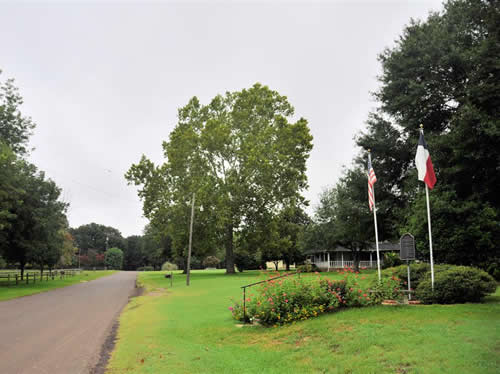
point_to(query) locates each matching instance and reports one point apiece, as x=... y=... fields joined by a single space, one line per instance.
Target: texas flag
x=424 y=163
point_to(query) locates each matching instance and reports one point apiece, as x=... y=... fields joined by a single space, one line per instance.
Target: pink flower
x=231 y=308
x=286 y=301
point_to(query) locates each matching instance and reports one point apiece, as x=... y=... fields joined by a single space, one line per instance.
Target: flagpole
x=430 y=234
x=375 y=222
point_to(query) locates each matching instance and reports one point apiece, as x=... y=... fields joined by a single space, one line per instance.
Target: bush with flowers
x=290 y=299
x=389 y=288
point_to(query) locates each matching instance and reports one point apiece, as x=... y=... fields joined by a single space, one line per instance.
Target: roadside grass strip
x=190 y=330
x=22 y=289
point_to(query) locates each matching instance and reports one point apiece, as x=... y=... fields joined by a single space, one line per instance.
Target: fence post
x=16 y=279
x=244 y=306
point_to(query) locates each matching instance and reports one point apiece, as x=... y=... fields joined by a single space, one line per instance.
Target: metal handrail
x=256 y=283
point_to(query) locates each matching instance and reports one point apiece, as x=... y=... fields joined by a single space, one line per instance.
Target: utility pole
x=188 y=270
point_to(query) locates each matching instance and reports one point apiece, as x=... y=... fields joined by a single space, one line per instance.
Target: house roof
x=382 y=246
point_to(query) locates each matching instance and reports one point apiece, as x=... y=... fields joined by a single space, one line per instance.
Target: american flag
x=371 y=181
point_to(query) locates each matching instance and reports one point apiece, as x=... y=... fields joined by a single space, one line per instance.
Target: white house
x=341 y=257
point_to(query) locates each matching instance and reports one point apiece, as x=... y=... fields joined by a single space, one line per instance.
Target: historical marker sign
x=407 y=251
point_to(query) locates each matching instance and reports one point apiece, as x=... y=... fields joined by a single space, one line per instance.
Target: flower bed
x=290 y=299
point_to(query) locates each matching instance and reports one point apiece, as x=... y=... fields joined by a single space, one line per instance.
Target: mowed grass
x=190 y=330
x=23 y=289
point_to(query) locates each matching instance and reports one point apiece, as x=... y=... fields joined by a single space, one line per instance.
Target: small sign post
x=407 y=252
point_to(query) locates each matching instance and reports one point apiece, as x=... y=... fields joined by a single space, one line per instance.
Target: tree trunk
x=21 y=265
x=287 y=264
x=41 y=271
x=355 y=258
x=229 y=250
x=276 y=265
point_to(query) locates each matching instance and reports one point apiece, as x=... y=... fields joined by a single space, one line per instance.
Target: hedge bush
x=211 y=262
x=418 y=272
x=169 y=266
x=391 y=259
x=457 y=284
x=494 y=270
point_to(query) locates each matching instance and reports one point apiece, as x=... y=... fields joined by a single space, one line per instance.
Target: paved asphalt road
x=61 y=331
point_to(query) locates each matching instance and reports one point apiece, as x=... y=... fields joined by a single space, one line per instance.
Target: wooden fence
x=14 y=278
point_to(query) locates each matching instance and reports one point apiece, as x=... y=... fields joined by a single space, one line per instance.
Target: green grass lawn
x=190 y=330
x=23 y=289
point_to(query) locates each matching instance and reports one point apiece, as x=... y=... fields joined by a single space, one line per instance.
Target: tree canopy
x=443 y=73
x=240 y=155
x=32 y=219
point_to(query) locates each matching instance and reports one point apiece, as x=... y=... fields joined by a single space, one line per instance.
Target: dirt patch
x=110 y=342
x=106 y=349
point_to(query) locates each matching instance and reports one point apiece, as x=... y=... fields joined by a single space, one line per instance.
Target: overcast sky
x=103 y=80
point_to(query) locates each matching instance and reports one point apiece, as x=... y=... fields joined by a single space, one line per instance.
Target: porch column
x=342 y=253
x=371 y=259
x=328 y=261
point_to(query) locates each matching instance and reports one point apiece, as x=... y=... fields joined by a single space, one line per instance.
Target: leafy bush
x=308 y=268
x=418 y=272
x=211 y=262
x=245 y=261
x=290 y=299
x=494 y=270
x=3 y=264
x=391 y=259
x=169 y=266
x=146 y=268
x=458 y=284
x=113 y=258
x=386 y=289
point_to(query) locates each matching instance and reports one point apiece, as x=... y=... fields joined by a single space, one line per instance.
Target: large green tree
x=240 y=155
x=114 y=258
x=35 y=236
x=443 y=73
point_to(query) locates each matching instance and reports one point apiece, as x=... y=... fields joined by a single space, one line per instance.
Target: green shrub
x=389 y=288
x=418 y=272
x=113 y=258
x=308 y=268
x=391 y=259
x=169 y=266
x=3 y=264
x=146 y=268
x=211 y=262
x=494 y=270
x=457 y=284
x=246 y=261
